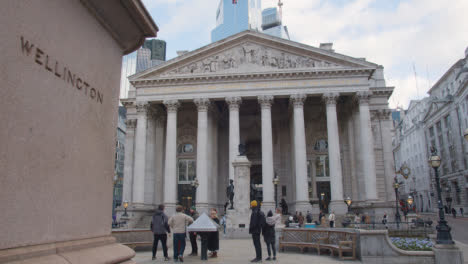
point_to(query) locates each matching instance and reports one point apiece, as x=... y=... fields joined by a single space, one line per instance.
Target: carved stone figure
x=230 y=193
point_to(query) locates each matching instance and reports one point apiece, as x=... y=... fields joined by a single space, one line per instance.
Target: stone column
x=457 y=135
x=234 y=133
x=389 y=166
x=202 y=154
x=159 y=157
x=336 y=179
x=140 y=154
x=300 y=158
x=367 y=146
x=129 y=158
x=267 y=153
x=170 y=165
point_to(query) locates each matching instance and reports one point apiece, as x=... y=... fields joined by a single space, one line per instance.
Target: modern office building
x=234 y=16
x=152 y=53
x=272 y=22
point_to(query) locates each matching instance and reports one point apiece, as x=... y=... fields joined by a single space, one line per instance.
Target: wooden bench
x=339 y=241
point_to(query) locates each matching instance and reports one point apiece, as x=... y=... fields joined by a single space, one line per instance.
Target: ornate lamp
x=195 y=185
x=275 y=183
x=443 y=230
x=410 y=201
x=348 y=202
x=125 y=205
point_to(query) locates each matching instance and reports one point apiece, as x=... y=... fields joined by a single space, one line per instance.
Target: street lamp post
x=348 y=202
x=125 y=205
x=276 y=182
x=396 y=185
x=443 y=230
x=194 y=189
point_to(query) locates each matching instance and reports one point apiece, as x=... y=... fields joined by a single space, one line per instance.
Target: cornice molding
x=253 y=76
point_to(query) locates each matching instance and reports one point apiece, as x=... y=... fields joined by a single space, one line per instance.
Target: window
x=431 y=131
x=322 y=166
x=186 y=171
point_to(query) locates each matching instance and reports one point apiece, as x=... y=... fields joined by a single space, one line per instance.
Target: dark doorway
x=256 y=192
x=185 y=195
x=323 y=192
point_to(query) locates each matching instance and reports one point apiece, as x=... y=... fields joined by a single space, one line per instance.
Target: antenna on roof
x=416 y=80
x=280 y=5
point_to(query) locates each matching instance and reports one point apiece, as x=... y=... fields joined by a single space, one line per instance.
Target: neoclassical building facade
x=316 y=119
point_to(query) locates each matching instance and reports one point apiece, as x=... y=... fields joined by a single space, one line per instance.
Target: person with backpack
x=160 y=228
x=269 y=235
x=257 y=221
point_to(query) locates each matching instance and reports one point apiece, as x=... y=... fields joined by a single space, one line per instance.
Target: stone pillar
x=367 y=146
x=159 y=157
x=389 y=166
x=202 y=154
x=336 y=179
x=300 y=158
x=170 y=165
x=352 y=158
x=267 y=153
x=128 y=162
x=234 y=133
x=140 y=155
x=238 y=220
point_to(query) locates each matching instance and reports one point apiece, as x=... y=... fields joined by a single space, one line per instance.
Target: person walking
x=193 y=235
x=178 y=224
x=331 y=219
x=384 y=220
x=213 y=237
x=321 y=217
x=454 y=213
x=257 y=221
x=357 y=219
x=159 y=226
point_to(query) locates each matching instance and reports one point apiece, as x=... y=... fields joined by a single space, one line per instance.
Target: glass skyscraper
x=272 y=23
x=234 y=16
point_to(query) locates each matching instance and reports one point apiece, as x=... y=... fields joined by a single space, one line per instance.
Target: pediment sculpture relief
x=252 y=57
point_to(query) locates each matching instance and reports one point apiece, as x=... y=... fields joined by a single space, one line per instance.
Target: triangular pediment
x=252 y=52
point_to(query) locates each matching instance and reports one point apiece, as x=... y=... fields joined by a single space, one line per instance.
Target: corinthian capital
x=265 y=100
x=234 y=102
x=142 y=107
x=330 y=98
x=202 y=104
x=363 y=97
x=171 y=105
x=297 y=99
x=131 y=123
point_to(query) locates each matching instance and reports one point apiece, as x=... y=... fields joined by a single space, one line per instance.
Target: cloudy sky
x=424 y=37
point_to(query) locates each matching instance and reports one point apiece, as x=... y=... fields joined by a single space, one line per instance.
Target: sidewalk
x=234 y=251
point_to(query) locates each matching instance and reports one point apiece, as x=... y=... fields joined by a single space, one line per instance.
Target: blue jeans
x=179 y=244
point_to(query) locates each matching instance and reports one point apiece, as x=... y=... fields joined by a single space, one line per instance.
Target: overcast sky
x=426 y=36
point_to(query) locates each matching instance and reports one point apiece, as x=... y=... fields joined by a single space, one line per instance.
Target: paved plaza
x=241 y=251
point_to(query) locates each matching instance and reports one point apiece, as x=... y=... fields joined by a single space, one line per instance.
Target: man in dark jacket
x=159 y=227
x=257 y=221
x=193 y=235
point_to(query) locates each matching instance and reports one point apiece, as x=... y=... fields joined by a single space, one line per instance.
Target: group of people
x=299 y=219
x=261 y=225
x=161 y=225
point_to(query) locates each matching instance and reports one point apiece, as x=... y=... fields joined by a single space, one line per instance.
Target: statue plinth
x=238 y=219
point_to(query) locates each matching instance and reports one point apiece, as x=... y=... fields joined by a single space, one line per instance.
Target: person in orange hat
x=257 y=222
